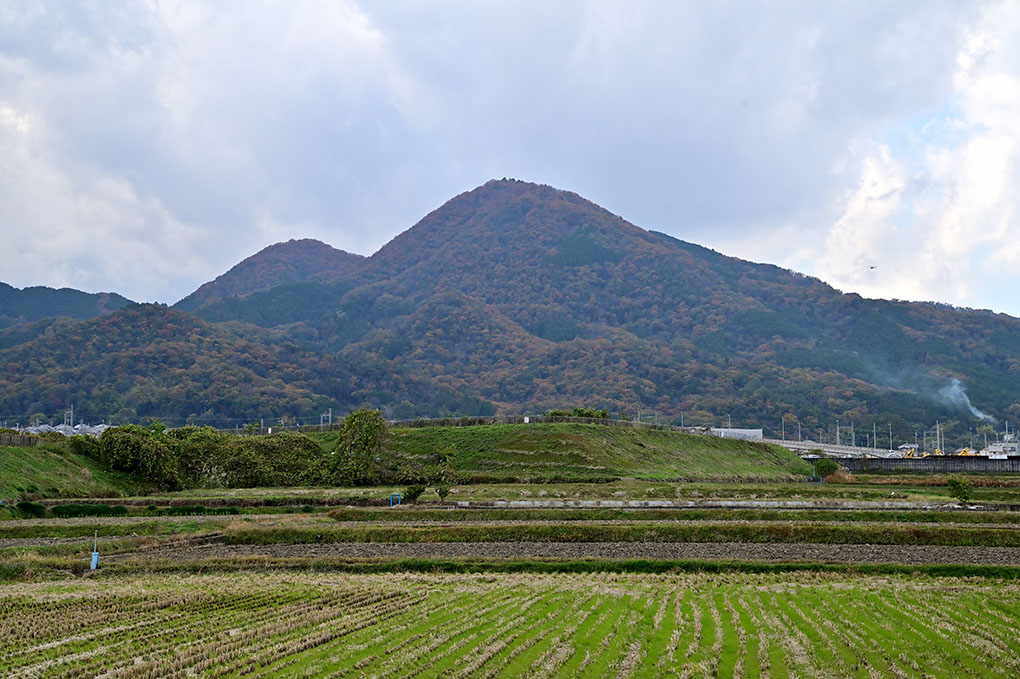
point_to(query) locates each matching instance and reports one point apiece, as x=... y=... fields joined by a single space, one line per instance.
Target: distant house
x=745 y=434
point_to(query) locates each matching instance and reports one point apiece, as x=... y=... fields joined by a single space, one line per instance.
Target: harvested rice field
x=296 y=624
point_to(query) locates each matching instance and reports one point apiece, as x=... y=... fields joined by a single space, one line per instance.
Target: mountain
x=18 y=307
x=290 y=262
x=516 y=297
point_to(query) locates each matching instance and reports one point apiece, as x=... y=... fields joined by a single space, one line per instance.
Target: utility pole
x=729 y=422
x=874 y=436
x=798 y=432
x=890 y=437
x=681 y=419
x=853 y=435
x=837 y=432
x=783 y=422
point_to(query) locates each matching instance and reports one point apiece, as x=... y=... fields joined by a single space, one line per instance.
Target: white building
x=745 y=434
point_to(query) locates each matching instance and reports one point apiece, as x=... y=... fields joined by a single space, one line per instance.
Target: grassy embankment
x=563 y=462
x=547 y=452
x=540 y=453
x=51 y=471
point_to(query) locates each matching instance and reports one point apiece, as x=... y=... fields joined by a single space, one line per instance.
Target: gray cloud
x=180 y=137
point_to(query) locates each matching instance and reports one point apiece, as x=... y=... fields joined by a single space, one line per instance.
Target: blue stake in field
x=395 y=499
x=95 y=551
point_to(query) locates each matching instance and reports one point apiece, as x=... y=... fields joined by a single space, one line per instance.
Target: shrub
x=77 y=509
x=442 y=491
x=52 y=436
x=840 y=476
x=197 y=451
x=185 y=510
x=599 y=414
x=32 y=509
x=282 y=459
x=84 y=445
x=413 y=492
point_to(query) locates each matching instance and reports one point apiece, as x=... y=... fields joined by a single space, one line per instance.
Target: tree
x=358 y=445
x=960 y=488
x=363 y=433
x=142 y=451
x=826 y=467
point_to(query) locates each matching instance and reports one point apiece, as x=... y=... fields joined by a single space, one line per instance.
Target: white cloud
x=942 y=207
x=80 y=227
x=762 y=133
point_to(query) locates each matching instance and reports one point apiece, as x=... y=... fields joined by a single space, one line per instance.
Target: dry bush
x=840 y=476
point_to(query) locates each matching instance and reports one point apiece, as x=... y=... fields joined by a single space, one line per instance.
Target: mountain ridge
x=34 y=303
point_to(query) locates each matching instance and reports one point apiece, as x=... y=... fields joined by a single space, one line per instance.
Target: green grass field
x=504 y=625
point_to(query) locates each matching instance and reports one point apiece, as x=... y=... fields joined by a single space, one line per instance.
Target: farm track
x=672 y=522
x=8 y=543
x=723 y=551
x=132 y=520
x=297 y=520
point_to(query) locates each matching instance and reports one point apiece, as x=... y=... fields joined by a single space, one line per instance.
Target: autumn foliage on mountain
x=516 y=297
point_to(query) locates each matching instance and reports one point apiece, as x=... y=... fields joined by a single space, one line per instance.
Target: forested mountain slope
x=30 y=304
x=516 y=297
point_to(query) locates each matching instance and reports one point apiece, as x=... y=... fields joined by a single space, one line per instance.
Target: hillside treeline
x=202 y=457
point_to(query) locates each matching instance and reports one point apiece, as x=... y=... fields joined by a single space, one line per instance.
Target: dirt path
x=903 y=554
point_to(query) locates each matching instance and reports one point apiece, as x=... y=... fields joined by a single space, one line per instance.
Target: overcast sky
x=147 y=147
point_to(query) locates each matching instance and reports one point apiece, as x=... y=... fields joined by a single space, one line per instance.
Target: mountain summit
x=290 y=262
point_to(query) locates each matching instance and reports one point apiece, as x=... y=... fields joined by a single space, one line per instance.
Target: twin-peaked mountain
x=516 y=297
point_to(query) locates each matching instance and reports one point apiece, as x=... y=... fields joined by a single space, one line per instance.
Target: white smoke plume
x=955 y=394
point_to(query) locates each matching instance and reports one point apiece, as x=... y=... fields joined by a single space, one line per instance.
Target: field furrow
x=740 y=625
